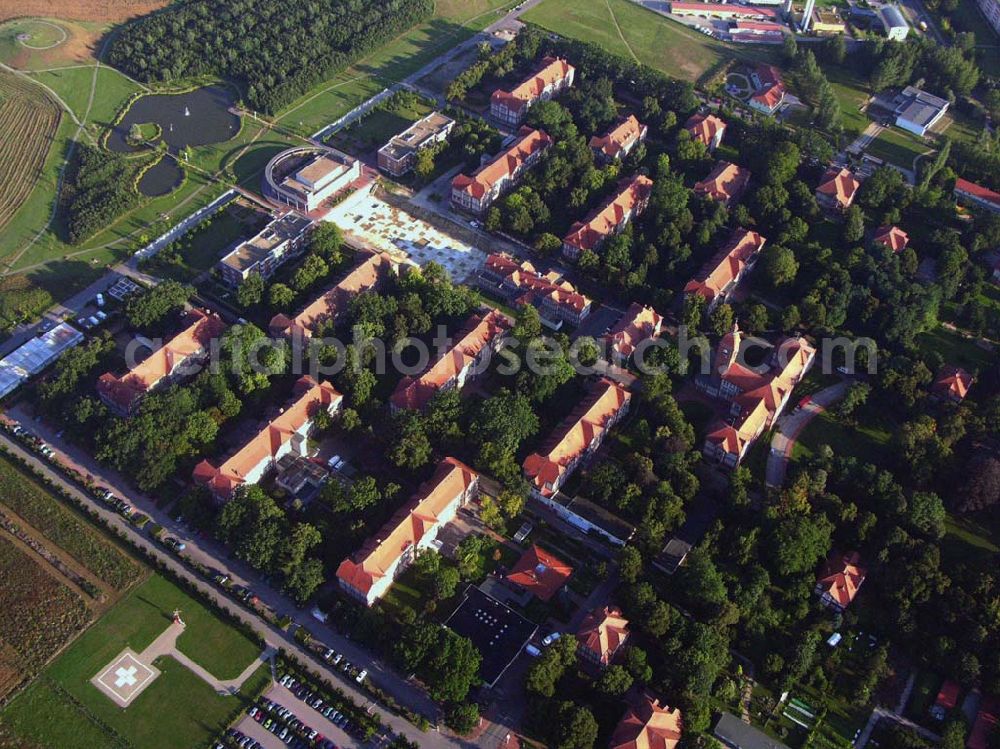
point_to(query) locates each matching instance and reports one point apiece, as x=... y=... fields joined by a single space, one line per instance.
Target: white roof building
x=35 y=355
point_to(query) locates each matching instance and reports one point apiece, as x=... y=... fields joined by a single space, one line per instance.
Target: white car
x=549 y=639
x=361 y=676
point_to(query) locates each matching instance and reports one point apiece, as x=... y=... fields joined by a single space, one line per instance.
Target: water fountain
x=187 y=112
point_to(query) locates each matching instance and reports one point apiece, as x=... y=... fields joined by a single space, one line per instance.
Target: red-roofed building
x=630 y=201
x=892 y=237
x=706 y=128
x=602 y=634
x=286 y=433
x=723 y=10
x=952 y=384
x=477 y=192
x=517 y=282
x=977 y=195
x=725 y=183
x=173 y=360
x=511 y=107
x=474 y=346
x=985 y=726
x=840 y=580
x=947 y=700
x=638 y=324
x=577 y=437
x=327 y=309
x=367 y=575
x=719 y=279
x=769 y=89
x=647 y=725
x=540 y=573
x=837 y=188
x=618 y=142
x=755 y=31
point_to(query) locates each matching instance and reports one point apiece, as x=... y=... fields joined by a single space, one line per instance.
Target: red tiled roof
x=524 y=276
x=647 y=725
x=948 y=696
x=725 y=182
x=839 y=184
x=587 y=235
x=892 y=237
x=504 y=165
x=365 y=276
x=309 y=396
x=540 y=573
x=602 y=632
x=636 y=325
x=770 y=96
x=986 y=724
x=842 y=577
x=977 y=191
x=733 y=439
x=704 y=127
x=727 y=265
x=619 y=138
x=125 y=391
x=408 y=526
x=768 y=74
x=576 y=433
x=479 y=332
x=723 y=8
x=952 y=382
x=553 y=70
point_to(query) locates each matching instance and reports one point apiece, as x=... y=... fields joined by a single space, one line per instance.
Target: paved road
x=274 y=637
x=790 y=427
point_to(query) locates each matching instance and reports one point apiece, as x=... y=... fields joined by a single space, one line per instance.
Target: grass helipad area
x=177 y=708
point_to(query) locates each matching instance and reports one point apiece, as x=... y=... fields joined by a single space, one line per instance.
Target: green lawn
x=177 y=710
x=377 y=128
x=627 y=29
x=898 y=147
x=73 y=87
x=867 y=441
x=955 y=349
x=851 y=93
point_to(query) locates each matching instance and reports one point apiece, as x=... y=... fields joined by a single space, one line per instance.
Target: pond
x=196 y=118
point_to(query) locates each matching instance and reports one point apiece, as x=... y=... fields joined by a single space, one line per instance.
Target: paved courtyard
x=387 y=228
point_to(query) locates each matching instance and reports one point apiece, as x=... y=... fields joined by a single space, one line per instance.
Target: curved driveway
x=790 y=427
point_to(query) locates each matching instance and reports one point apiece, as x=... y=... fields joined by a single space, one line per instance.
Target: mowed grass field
x=178 y=710
x=627 y=29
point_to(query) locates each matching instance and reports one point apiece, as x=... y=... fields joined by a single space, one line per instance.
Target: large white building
x=918 y=111
x=281 y=239
x=304 y=178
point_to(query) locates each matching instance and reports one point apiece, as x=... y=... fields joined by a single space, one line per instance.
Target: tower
x=807 y=15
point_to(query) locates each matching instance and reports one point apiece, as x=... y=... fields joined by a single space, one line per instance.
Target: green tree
x=149 y=308
x=463 y=718
x=280 y=297
x=573 y=727
x=452 y=668
x=251 y=291
x=327 y=241
x=615 y=681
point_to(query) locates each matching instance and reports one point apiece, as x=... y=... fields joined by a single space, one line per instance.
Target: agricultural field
x=178 y=710
x=28 y=122
x=40 y=613
x=80 y=10
x=64 y=528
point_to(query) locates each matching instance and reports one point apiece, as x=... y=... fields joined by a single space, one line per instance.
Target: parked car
x=174 y=543
x=550 y=638
x=361 y=676
x=532 y=651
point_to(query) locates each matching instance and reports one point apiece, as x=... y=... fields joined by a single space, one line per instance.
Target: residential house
x=477 y=192
x=602 y=634
x=540 y=573
x=892 y=237
x=518 y=282
x=619 y=142
x=840 y=580
x=511 y=107
x=707 y=129
x=975 y=195
x=283 y=238
x=918 y=111
x=986 y=725
x=836 y=190
x=719 y=279
x=173 y=360
x=630 y=201
x=576 y=438
x=951 y=384
x=398 y=156
x=329 y=307
x=725 y=183
x=648 y=725
x=288 y=432
x=769 y=89
x=368 y=574
x=478 y=340
x=638 y=324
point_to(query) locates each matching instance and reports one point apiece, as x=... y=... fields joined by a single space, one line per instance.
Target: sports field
x=627 y=29
x=63 y=709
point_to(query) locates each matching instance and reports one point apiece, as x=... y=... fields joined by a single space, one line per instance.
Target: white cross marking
x=126 y=677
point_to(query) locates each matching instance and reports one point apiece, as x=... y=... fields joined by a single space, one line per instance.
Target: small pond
x=197 y=118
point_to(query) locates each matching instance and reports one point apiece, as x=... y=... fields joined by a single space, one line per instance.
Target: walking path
x=791 y=426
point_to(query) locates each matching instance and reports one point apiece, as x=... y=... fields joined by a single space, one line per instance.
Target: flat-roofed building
x=827 y=22
x=918 y=111
x=991 y=12
x=609 y=219
x=287 y=433
x=164 y=365
x=367 y=575
x=475 y=193
x=398 y=156
x=511 y=107
x=304 y=177
x=723 y=10
x=263 y=254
